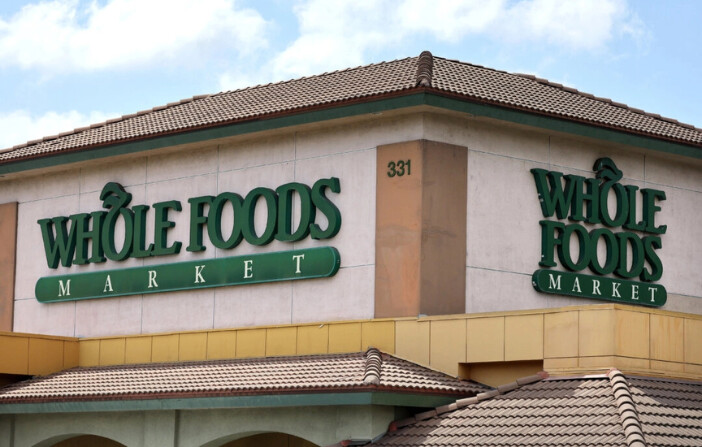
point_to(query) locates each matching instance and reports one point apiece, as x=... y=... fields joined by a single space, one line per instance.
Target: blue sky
x=68 y=63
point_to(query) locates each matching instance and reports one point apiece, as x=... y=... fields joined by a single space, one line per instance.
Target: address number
x=399 y=168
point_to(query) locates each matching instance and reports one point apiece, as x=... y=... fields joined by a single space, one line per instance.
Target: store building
x=412 y=252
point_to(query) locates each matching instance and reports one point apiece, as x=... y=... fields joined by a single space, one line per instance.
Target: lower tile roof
x=369 y=371
x=604 y=410
x=670 y=411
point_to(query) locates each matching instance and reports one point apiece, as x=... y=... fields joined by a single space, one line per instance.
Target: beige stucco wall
x=503 y=232
x=347 y=152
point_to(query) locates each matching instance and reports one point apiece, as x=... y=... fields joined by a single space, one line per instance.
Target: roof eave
x=281 y=119
x=417 y=96
x=559 y=123
x=481 y=101
x=269 y=400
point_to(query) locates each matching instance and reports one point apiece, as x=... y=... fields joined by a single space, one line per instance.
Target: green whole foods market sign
x=91 y=238
x=309 y=263
x=629 y=264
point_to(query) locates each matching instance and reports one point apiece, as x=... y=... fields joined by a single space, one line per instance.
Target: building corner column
x=420 y=247
x=8 y=256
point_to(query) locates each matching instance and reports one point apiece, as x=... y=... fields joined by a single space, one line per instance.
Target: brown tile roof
x=411 y=75
x=670 y=411
x=370 y=371
x=609 y=410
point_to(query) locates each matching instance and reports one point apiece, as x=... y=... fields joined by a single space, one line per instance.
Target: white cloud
x=575 y=24
x=64 y=35
x=333 y=35
x=451 y=20
x=339 y=34
x=20 y=126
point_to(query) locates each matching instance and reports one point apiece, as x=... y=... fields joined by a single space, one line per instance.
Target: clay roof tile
x=608 y=410
x=279 y=375
x=460 y=80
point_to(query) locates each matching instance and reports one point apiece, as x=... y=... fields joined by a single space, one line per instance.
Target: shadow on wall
x=270 y=440
x=263 y=439
x=82 y=441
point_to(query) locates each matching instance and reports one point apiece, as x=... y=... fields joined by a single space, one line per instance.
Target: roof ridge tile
x=626 y=407
x=374 y=363
x=525 y=75
x=425 y=69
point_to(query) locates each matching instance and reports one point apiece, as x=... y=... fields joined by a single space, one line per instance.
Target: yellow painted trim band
x=29 y=354
x=566 y=341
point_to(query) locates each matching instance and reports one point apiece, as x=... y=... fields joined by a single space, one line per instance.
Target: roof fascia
x=349 y=110
x=269 y=400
